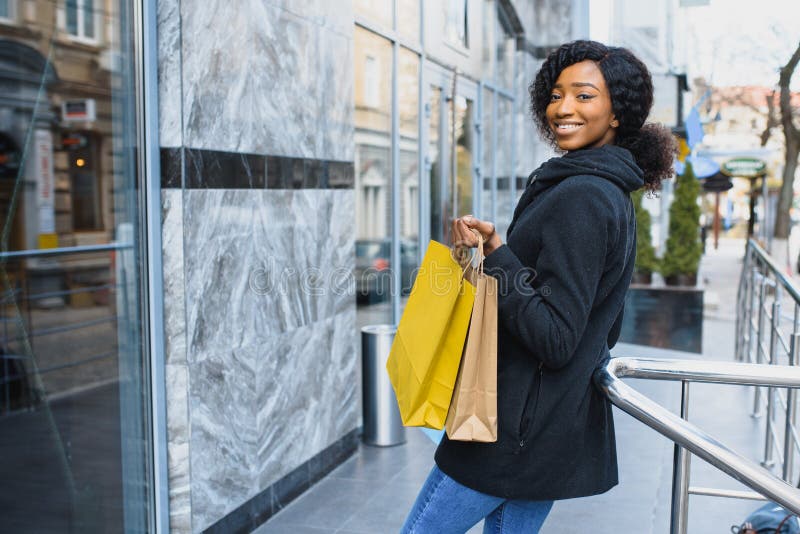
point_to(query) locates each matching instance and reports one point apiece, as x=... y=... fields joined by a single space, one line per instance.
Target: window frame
x=497 y=93
x=81 y=22
x=398 y=40
x=459 y=45
x=12 y=12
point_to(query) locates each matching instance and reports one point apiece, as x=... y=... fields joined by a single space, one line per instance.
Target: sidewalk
x=373 y=490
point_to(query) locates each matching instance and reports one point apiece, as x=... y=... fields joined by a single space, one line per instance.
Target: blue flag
x=694 y=130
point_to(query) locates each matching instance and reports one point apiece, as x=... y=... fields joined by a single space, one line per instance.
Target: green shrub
x=684 y=248
x=646 y=261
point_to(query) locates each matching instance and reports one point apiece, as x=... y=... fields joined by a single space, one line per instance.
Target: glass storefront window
x=488 y=27
x=504 y=51
x=379 y=11
x=438 y=191
x=408 y=203
x=74 y=393
x=373 y=127
x=487 y=176
x=464 y=139
x=408 y=19
x=504 y=165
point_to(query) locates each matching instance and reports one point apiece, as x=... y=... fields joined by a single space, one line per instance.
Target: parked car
x=373 y=272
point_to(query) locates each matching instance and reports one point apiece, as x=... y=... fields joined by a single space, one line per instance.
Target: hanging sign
x=78 y=110
x=72 y=141
x=45 y=189
x=745 y=167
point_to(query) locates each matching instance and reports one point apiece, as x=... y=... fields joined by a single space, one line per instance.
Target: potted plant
x=684 y=249
x=646 y=261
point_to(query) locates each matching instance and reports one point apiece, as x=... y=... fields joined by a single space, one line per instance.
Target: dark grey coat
x=562 y=277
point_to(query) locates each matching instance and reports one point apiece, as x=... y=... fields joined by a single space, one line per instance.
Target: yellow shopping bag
x=423 y=362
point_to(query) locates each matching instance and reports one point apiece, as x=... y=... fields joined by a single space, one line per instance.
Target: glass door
x=74 y=392
x=451 y=146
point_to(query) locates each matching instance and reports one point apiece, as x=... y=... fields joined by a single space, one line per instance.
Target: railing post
x=791 y=410
x=680 y=475
x=742 y=303
x=759 y=340
x=750 y=297
x=769 y=440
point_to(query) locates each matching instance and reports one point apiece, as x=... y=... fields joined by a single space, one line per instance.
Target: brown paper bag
x=473 y=408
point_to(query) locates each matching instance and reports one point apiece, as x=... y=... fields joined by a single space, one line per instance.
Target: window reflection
x=504 y=51
x=71 y=356
x=5 y=9
x=504 y=165
x=464 y=137
x=487 y=172
x=488 y=48
x=456 y=27
x=408 y=203
x=438 y=189
x=80 y=18
x=373 y=68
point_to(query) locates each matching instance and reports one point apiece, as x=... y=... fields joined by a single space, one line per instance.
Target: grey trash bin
x=382 y=423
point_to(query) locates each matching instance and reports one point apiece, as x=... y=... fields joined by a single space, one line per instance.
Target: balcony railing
x=690 y=439
x=767 y=354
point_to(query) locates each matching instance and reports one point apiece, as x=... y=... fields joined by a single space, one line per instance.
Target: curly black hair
x=631 y=88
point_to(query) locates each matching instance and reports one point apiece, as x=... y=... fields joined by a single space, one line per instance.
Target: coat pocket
x=529 y=410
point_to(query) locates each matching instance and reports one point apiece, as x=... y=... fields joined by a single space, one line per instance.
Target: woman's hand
x=463 y=236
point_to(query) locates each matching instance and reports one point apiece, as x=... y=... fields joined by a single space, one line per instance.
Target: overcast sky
x=742 y=42
x=729 y=42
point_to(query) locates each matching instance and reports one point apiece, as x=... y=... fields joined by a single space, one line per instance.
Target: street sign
x=745 y=167
x=79 y=110
x=717 y=183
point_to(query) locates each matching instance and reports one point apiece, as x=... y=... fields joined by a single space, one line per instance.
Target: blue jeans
x=444 y=506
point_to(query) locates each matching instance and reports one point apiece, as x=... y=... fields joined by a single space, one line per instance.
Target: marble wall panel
x=173 y=275
x=271 y=337
x=256 y=83
x=223 y=440
x=264 y=262
x=169 y=73
x=309 y=394
x=180 y=499
x=177 y=375
x=336 y=105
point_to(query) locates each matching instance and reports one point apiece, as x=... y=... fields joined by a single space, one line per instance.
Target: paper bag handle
x=464 y=259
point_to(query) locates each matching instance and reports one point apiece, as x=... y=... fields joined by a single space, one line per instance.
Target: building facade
x=203 y=203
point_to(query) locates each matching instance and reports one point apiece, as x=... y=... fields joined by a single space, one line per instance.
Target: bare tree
x=792 y=137
x=772 y=119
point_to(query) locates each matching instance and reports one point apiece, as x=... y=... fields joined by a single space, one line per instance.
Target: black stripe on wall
x=269 y=502
x=193 y=168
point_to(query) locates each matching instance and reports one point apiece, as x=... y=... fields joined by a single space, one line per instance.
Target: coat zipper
x=522 y=427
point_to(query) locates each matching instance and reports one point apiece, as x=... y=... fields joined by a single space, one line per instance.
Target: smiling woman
x=580 y=111
x=563 y=274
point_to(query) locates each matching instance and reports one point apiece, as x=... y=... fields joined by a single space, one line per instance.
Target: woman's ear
x=614 y=122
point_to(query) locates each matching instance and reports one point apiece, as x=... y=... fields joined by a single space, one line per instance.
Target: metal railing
x=20 y=374
x=690 y=439
x=768 y=332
